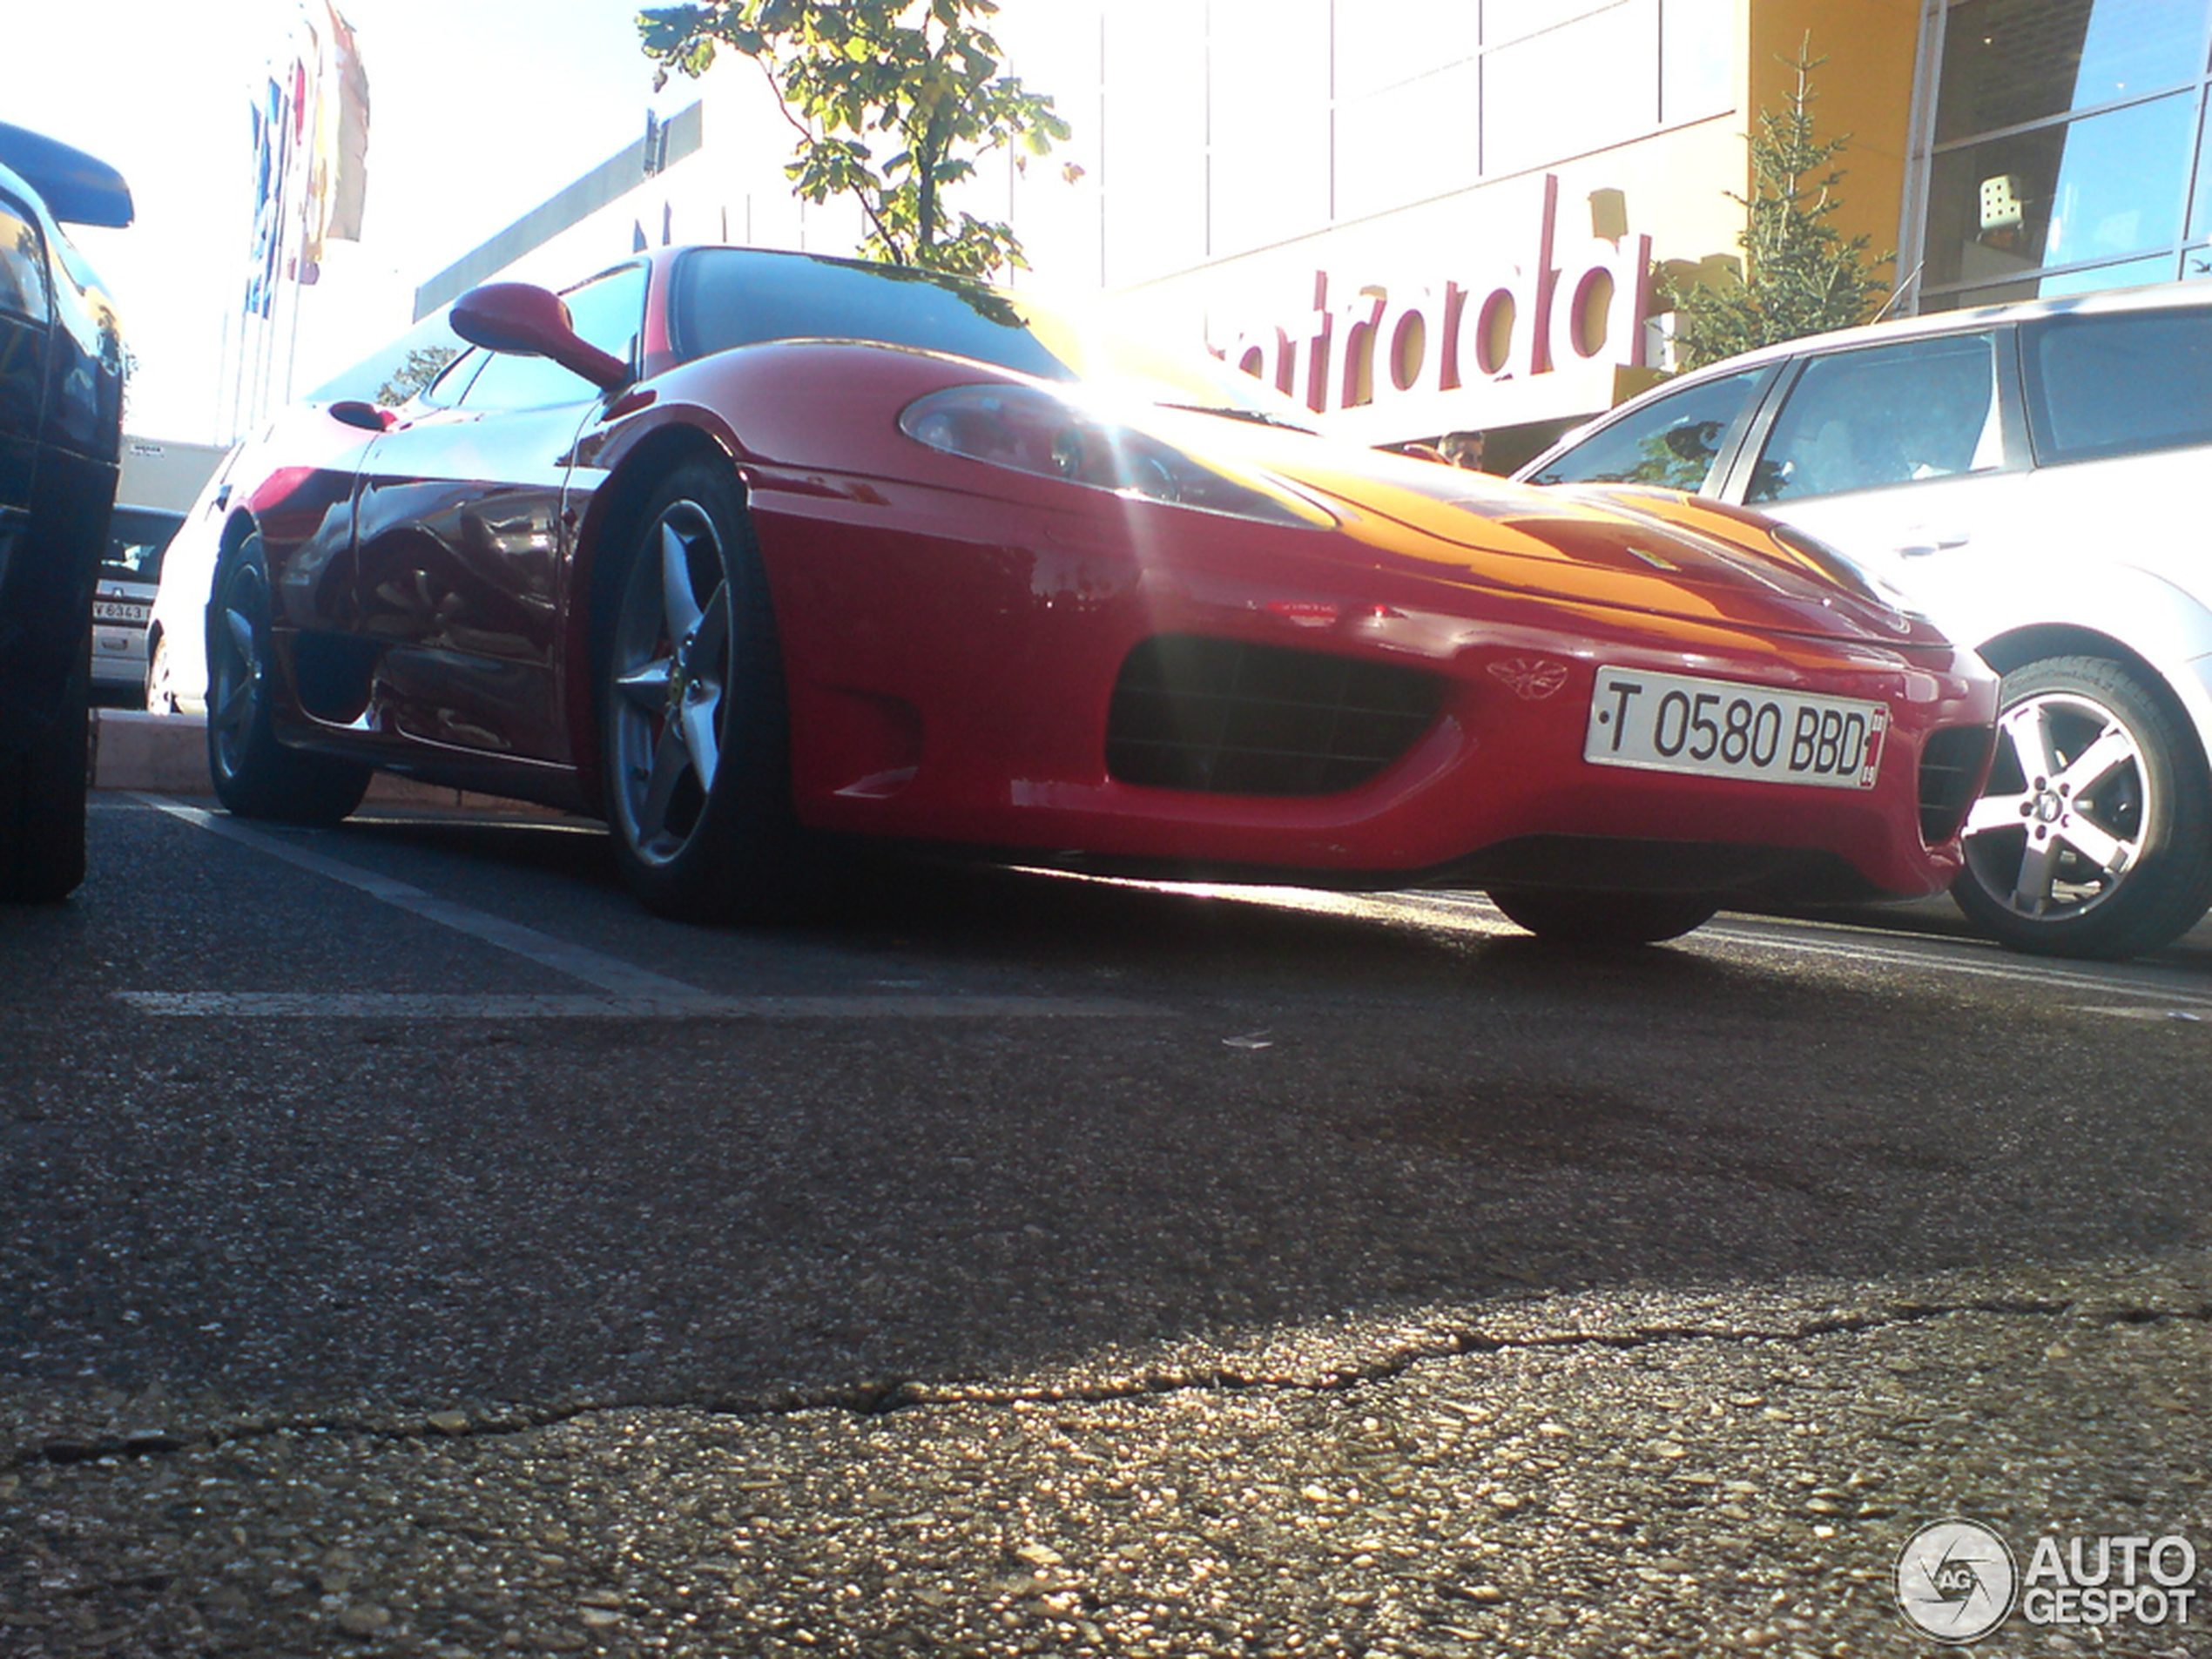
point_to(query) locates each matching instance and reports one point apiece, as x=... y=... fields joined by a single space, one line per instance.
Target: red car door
x=460 y=548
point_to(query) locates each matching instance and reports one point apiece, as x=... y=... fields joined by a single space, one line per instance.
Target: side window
x=449 y=383
x=1884 y=415
x=1672 y=442
x=452 y=383
x=608 y=311
x=2119 y=385
x=137 y=538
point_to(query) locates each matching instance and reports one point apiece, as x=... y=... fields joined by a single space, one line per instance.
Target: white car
x=2029 y=478
x=174 y=658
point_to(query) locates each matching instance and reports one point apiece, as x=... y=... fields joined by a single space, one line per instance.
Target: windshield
x=728 y=297
x=137 y=538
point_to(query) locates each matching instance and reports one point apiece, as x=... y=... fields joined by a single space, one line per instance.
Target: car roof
x=78 y=189
x=2152 y=297
x=2159 y=296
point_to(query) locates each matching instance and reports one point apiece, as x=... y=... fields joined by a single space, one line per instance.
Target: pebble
x=365 y=1618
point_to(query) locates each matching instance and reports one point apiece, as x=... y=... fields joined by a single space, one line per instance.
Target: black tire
x=1605 y=919
x=2094 y=837
x=256 y=776
x=42 y=799
x=695 y=739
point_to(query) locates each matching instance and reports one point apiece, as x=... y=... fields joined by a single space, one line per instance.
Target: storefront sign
x=1377 y=342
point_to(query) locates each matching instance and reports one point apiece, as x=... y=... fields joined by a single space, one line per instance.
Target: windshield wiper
x=1231 y=412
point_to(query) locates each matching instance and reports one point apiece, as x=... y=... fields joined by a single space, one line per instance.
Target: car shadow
x=1308 y=1118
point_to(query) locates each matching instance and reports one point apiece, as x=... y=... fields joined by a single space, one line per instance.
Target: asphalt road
x=407 y=1246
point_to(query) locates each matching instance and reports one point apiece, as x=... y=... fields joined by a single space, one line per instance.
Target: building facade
x=1438 y=214
x=2059 y=147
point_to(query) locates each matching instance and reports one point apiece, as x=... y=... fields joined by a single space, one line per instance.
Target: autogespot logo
x=1956 y=1580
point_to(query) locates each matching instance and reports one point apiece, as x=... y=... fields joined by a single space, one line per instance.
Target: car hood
x=1659 y=552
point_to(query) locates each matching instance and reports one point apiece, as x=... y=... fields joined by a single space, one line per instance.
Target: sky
x=479 y=111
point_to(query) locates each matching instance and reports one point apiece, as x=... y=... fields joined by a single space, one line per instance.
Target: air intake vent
x=1236 y=719
x=1950 y=766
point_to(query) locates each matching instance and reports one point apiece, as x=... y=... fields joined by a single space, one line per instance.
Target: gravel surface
x=1366 y=1281
x=1597 y=1476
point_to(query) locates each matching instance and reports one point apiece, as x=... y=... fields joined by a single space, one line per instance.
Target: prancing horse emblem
x=1533 y=680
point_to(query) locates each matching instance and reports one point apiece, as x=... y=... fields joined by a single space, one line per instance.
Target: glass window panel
x=1503 y=20
x=1671 y=442
x=1379 y=46
x=1407 y=143
x=2009 y=62
x=1570 y=91
x=1696 y=59
x=2108 y=185
x=2121 y=182
x=1267 y=121
x=2200 y=230
x=2119 y=385
x=1882 y=416
x=2157 y=268
x=1153 y=192
x=2095 y=279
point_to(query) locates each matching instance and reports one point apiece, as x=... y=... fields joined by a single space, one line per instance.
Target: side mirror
x=353 y=412
x=518 y=317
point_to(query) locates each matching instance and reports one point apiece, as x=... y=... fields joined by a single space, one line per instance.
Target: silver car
x=2028 y=476
x=129 y=573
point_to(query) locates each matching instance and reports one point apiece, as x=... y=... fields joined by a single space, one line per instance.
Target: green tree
x=1800 y=275
x=417 y=370
x=917 y=79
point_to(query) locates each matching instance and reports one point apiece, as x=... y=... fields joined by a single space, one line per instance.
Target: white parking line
x=1840 y=942
x=698 y=1005
x=633 y=993
x=637 y=993
x=578 y=962
x=1946 y=956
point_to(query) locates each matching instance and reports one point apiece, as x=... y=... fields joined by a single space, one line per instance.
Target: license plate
x=1721 y=729
x=120 y=610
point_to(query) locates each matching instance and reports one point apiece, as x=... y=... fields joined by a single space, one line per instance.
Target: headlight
x=1033 y=430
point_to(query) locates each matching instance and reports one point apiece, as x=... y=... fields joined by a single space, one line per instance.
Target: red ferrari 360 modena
x=745 y=550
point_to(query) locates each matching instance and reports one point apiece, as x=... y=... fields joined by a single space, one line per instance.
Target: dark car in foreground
x=736 y=548
x=61 y=410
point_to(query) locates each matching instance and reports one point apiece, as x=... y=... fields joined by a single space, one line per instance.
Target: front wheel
x=1605 y=919
x=695 y=740
x=161 y=679
x=2094 y=837
x=255 y=776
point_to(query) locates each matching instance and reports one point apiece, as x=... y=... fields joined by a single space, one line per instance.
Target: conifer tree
x=1800 y=276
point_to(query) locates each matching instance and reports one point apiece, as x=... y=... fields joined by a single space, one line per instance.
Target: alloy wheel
x=236 y=671
x=2064 y=817
x=670 y=680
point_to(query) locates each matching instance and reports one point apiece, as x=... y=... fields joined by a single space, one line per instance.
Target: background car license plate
x=1719 y=728
x=120 y=610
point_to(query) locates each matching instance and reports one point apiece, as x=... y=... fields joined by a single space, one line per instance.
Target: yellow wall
x=1864 y=88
